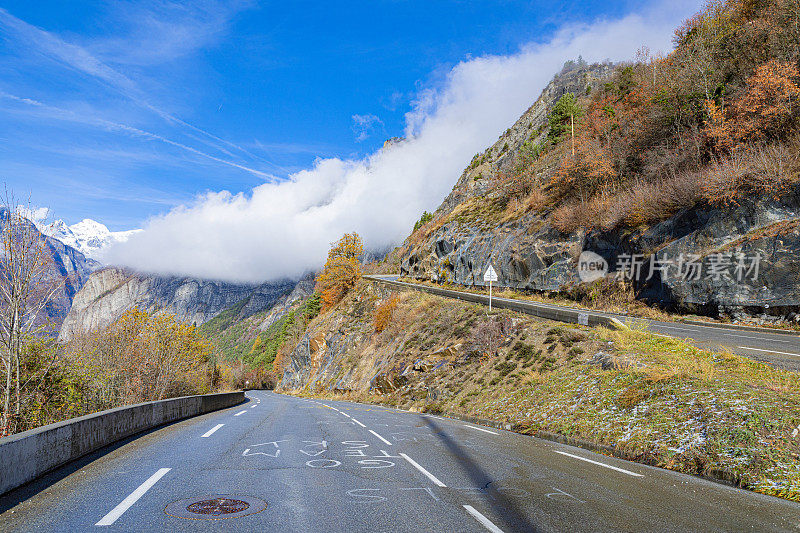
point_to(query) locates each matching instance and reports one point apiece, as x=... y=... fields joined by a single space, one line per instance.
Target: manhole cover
x=218 y=506
x=215 y=507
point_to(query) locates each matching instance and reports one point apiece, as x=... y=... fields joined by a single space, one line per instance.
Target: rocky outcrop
x=747 y=262
x=524 y=257
x=335 y=347
x=527 y=253
x=530 y=128
x=745 y=257
x=111 y=291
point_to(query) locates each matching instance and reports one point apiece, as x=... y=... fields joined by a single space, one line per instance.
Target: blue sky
x=120 y=111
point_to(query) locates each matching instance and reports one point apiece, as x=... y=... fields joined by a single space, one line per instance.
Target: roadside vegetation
x=140 y=357
x=342 y=270
x=655 y=400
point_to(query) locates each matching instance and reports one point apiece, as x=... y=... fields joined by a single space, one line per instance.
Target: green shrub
x=424 y=219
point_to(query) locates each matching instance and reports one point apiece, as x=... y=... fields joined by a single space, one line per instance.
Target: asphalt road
x=345 y=467
x=778 y=349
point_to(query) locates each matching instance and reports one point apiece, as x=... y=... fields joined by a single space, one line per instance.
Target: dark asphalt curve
x=343 y=467
x=778 y=349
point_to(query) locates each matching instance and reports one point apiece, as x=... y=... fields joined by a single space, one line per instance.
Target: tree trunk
x=7 y=397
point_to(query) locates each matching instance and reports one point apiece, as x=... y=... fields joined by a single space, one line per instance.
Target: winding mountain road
x=280 y=463
x=778 y=349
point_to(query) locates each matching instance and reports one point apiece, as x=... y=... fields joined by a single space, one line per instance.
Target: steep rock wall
x=111 y=291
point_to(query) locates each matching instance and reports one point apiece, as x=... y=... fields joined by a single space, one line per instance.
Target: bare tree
x=28 y=283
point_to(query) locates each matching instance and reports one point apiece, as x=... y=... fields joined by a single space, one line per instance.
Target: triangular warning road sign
x=490 y=275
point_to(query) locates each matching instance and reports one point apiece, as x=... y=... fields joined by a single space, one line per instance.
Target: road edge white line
x=600 y=464
x=211 y=431
x=418 y=467
x=485 y=522
x=769 y=351
x=132 y=498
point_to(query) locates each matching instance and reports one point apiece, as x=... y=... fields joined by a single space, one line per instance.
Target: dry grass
x=753 y=170
x=640 y=203
x=384 y=312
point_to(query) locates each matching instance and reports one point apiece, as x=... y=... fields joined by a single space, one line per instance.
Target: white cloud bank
x=285 y=229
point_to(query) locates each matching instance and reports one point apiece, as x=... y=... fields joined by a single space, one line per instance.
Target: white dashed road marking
x=211 y=431
x=752 y=339
x=125 y=504
x=600 y=464
x=240 y=413
x=384 y=440
x=481 y=429
x=427 y=474
x=673 y=327
x=357 y=422
x=485 y=522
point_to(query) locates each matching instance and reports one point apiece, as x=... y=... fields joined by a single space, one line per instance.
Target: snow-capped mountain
x=87 y=236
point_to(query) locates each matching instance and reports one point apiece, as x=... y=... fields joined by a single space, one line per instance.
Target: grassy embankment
x=658 y=400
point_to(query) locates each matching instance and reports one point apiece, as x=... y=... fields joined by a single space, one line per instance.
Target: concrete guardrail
x=559 y=314
x=30 y=454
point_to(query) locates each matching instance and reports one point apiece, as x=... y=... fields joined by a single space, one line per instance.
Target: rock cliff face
x=760 y=239
x=336 y=347
x=529 y=254
x=111 y=291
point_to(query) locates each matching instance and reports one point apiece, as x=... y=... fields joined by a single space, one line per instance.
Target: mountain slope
x=69 y=266
x=111 y=291
x=650 y=399
x=690 y=196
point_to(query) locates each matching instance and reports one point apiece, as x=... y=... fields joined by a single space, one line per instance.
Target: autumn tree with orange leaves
x=342 y=270
x=769 y=107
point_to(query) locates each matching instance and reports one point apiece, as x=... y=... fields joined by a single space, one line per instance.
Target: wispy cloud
x=152 y=32
x=365 y=125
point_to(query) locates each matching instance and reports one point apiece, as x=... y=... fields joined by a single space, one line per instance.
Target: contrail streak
x=65 y=114
x=78 y=58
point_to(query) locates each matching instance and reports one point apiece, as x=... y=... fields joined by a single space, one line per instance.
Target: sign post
x=490 y=276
